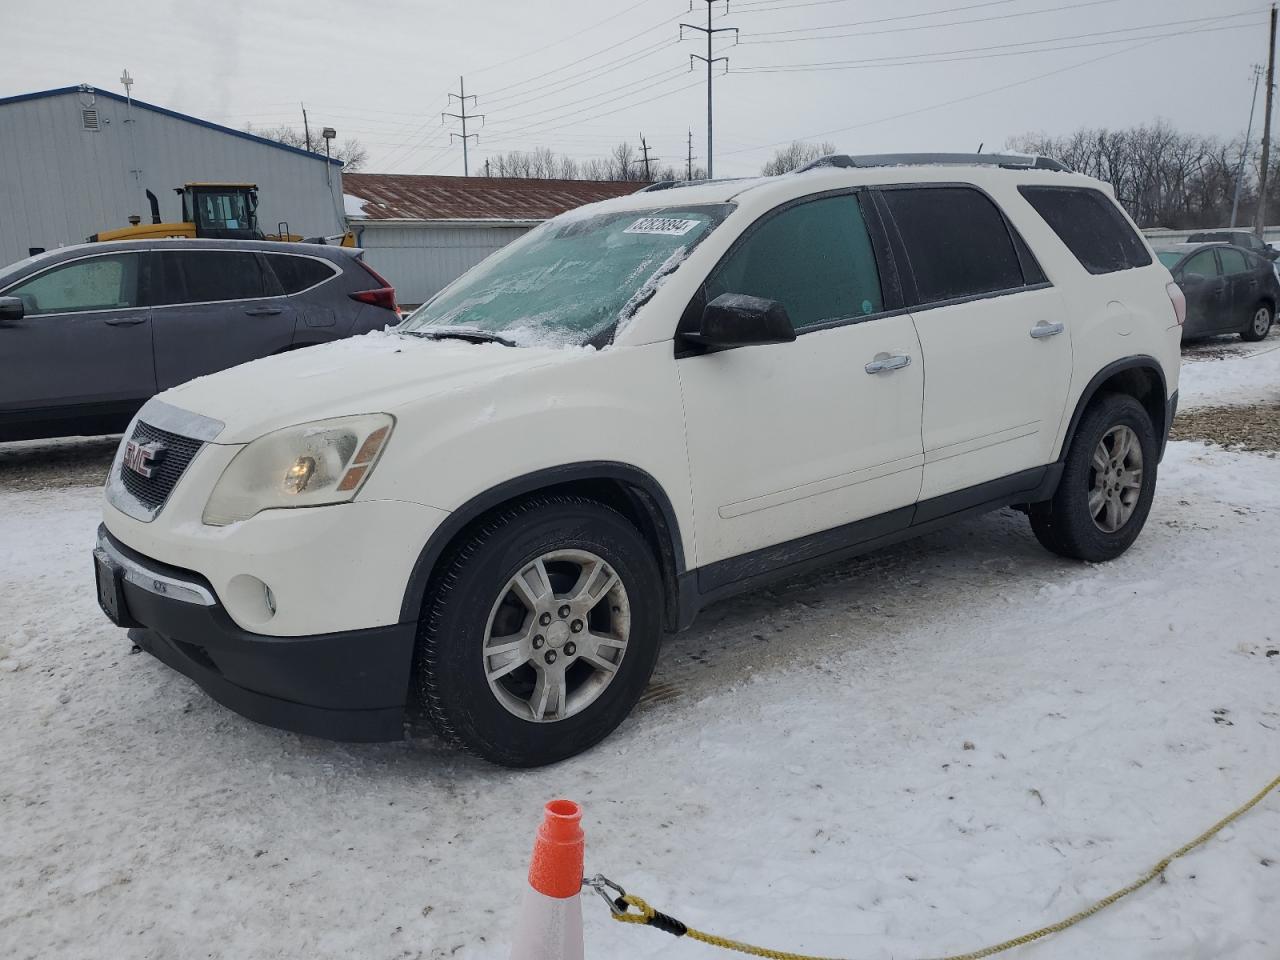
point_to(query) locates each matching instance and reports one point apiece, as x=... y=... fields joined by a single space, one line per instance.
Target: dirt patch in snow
x=1236 y=428
x=53 y=464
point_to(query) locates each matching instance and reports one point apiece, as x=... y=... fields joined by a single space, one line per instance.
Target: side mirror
x=1270 y=252
x=737 y=320
x=11 y=308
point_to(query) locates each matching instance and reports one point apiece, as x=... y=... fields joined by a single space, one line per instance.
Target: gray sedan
x=1228 y=289
x=88 y=333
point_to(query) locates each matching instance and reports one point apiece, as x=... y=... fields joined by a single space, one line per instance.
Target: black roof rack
x=680 y=184
x=1008 y=161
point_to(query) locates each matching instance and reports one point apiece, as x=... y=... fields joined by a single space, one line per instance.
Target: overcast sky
x=579 y=76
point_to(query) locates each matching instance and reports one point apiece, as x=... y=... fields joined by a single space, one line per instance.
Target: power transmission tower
x=688 y=163
x=1260 y=220
x=710 y=31
x=462 y=98
x=306 y=129
x=1248 y=139
x=646 y=159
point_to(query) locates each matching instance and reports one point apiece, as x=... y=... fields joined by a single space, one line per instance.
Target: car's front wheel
x=1259 y=325
x=541 y=633
x=1107 y=485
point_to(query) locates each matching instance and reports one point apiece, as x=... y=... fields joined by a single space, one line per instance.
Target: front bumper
x=352 y=685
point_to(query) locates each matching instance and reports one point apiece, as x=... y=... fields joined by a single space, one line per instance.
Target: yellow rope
x=646 y=913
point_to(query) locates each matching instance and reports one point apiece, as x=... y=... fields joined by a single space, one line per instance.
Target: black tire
x=1256 y=331
x=1064 y=524
x=452 y=690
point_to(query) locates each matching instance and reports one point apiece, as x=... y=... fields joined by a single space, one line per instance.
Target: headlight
x=304 y=466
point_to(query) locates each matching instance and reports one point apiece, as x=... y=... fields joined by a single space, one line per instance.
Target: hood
x=379 y=372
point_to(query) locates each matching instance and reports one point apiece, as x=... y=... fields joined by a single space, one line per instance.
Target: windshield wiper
x=469 y=334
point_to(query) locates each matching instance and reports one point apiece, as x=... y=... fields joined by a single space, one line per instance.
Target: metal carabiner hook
x=601 y=885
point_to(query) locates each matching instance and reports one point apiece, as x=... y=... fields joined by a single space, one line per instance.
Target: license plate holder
x=110 y=583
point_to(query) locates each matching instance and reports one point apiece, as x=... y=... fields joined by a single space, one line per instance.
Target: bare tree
x=796 y=154
x=351 y=151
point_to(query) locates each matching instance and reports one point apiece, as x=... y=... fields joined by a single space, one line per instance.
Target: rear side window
x=814 y=258
x=210 y=276
x=95 y=283
x=957 y=241
x=1091 y=226
x=1234 y=261
x=298 y=273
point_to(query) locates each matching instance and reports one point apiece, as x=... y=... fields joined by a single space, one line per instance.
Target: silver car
x=88 y=333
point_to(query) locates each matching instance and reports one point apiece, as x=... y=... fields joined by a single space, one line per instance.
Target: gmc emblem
x=142 y=458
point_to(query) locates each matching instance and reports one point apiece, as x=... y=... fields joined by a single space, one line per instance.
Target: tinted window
x=1202 y=263
x=298 y=273
x=957 y=242
x=205 y=276
x=1233 y=261
x=1169 y=258
x=1091 y=226
x=814 y=258
x=98 y=283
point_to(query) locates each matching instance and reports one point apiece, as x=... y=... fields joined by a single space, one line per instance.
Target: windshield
x=1169 y=258
x=572 y=279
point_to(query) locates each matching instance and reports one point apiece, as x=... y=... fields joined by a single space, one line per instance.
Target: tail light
x=1179 y=301
x=383 y=296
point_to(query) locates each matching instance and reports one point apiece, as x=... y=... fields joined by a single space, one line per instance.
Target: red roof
x=394 y=196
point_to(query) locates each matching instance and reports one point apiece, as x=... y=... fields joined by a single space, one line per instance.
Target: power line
x=945 y=56
x=564 y=39
x=952 y=102
x=914 y=27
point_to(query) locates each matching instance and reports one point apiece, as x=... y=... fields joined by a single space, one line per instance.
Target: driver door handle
x=263 y=311
x=123 y=321
x=884 y=362
x=1043 y=329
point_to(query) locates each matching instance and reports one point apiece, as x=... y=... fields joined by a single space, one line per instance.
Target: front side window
x=1091 y=225
x=209 y=276
x=957 y=241
x=1169 y=258
x=109 y=282
x=572 y=279
x=814 y=258
x=1202 y=264
x=1233 y=261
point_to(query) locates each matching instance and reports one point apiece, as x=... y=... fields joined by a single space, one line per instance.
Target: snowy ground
x=921 y=752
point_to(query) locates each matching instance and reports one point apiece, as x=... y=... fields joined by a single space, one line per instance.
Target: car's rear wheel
x=1259 y=325
x=541 y=633
x=1107 y=485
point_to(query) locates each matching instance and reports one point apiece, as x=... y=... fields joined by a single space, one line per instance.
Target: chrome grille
x=153 y=491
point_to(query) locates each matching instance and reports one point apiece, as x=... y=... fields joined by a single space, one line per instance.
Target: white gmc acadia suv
x=486 y=519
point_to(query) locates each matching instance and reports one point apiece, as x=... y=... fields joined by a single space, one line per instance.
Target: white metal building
x=422 y=232
x=76 y=160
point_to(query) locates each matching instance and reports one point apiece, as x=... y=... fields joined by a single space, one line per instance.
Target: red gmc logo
x=142 y=458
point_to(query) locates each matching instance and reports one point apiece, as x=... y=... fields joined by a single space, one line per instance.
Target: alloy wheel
x=556 y=635
x=1261 y=321
x=1115 y=477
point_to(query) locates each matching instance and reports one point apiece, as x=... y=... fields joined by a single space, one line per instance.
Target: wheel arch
x=633 y=492
x=1142 y=378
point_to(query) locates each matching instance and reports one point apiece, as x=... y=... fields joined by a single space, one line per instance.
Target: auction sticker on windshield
x=665 y=226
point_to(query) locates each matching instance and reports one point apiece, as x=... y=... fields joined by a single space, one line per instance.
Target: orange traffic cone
x=550 y=926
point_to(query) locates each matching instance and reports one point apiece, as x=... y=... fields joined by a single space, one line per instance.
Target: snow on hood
x=379 y=372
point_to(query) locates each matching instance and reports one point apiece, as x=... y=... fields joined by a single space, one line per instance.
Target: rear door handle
x=263 y=311
x=123 y=321
x=884 y=362
x=1043 y=329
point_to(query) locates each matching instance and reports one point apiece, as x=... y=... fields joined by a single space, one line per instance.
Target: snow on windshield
x=572 y=279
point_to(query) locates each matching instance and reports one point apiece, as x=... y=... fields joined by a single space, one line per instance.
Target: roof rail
x=1008 y=161
x=681 y=184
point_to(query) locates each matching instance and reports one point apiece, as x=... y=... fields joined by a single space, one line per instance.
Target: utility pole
x=1260 y=220
x=688 y=163
x=710 y=31
x=486 y=166
x=462 y=98
x=306 y=130
x=1248 y=139
x=644 y=148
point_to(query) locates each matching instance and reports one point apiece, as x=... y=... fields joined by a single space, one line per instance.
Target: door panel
x=1243 y=287
x=996 y=381
x=216 y=309
x=84 y=342
x=1208 y=298
x=789 y=439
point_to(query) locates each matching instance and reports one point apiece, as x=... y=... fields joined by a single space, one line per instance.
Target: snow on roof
x=388 y=196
